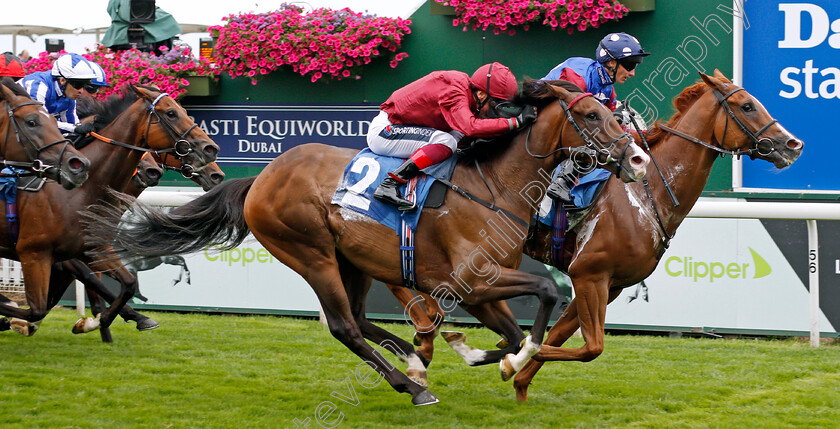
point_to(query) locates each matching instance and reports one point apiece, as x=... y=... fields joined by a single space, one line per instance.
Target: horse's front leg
x=506 y=283
x=36 y=272
x=128 y=288
x=497 y=317
x=426 y=316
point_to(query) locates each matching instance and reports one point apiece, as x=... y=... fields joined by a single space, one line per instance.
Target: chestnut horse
x=287 y=207
x=621 y=240
x=142 y=119
x=40 y=147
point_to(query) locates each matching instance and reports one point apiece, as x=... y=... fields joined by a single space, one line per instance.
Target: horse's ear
x=141 y=92
x=6 y=93
x=721 y=76
x=560 y=92
x=712 y=81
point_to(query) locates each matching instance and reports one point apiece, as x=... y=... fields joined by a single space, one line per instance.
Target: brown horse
x=620 y=241
x=142 y=119
x=39 y=146
x=287 y=207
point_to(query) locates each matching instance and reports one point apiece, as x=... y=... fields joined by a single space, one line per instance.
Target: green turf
x=212 y=371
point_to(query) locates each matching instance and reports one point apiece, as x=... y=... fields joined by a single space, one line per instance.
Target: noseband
x=762 y=147
x=33 y=152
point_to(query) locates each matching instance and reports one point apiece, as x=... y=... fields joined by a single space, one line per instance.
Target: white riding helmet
x=72 y=66
x=100 y=79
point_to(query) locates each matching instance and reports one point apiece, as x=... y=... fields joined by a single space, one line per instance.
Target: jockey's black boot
x=561 y=187
x=388 y=191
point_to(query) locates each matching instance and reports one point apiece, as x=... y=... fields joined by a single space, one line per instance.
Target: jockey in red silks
x=424 y=121
x=615 y=61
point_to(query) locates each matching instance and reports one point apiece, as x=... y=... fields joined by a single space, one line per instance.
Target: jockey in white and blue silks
x=615 y=61
x=59 y=89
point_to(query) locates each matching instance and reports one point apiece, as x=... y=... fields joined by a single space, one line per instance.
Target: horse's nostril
x=76 y=164
x=794 y=144
x=154 y=173
x=639 y=160
x=211 y=150
x=217 y=177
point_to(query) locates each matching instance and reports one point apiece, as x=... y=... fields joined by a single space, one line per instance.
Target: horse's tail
x=215 y=218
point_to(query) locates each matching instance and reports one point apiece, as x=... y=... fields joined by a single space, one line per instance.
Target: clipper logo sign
x=709 y=271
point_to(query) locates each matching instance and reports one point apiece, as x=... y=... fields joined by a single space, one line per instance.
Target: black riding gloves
x=83 y=129
x=528 y=115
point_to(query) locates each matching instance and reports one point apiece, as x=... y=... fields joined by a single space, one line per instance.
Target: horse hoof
x=23 y=327
x=424 y=398
x=417 y=342
x=147 y=325
x=502 y=344
x=418 y=376
x=85 y=325
x=453 y=336
x=506 y=368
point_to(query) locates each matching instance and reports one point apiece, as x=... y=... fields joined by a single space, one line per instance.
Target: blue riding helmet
x=621 y=47
x=100 y=79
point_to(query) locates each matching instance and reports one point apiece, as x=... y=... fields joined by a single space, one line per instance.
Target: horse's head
x=148 y=173
x=42 y=148
x=743 y=125
x=170 y=128
x=593 y=134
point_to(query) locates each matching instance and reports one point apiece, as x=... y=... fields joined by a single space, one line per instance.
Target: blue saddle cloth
x=582 y=193
x=366 y=171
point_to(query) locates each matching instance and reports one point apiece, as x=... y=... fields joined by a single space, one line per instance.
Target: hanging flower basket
x=322 y=43
x=504 y=15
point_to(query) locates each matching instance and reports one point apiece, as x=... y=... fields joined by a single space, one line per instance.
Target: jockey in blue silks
x=59 y=89
x=615 y=61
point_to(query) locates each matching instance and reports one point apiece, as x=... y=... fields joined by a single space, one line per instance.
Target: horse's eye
x=592 y=116
x=31 y=123
x=171 y=113
x=748 y=107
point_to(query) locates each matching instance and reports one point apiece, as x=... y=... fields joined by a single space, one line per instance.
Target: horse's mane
x=682 y=102
x=537 y=92
x=108 y=110
x=17 y=89
x=534 y=93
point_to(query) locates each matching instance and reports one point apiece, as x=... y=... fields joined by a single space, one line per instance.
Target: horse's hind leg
x=95 y=284
x=327 y=284
x=357 y=285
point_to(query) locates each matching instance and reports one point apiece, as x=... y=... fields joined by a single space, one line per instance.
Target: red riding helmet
x=10 y=65
x=498 y=78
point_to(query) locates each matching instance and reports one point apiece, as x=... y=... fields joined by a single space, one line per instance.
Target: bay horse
x=287 y=207
x=620 y=242
x=41 y=149
x=140 y=120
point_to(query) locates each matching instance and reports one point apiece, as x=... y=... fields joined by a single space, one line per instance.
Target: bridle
x=33 y=152
x=181 y=148
x=761 y=146
x=597 y=152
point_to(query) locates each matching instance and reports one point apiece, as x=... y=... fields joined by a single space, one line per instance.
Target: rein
x=186 y=169
x=591 y=148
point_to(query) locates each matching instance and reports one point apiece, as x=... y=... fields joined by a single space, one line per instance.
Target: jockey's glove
x=83 y=129
x=528 y=115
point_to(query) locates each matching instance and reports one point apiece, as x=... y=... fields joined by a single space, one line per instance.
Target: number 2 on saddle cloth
x=355 y=192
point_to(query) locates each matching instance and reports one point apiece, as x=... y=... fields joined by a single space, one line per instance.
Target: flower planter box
x=639 y=5
x=202 y=86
